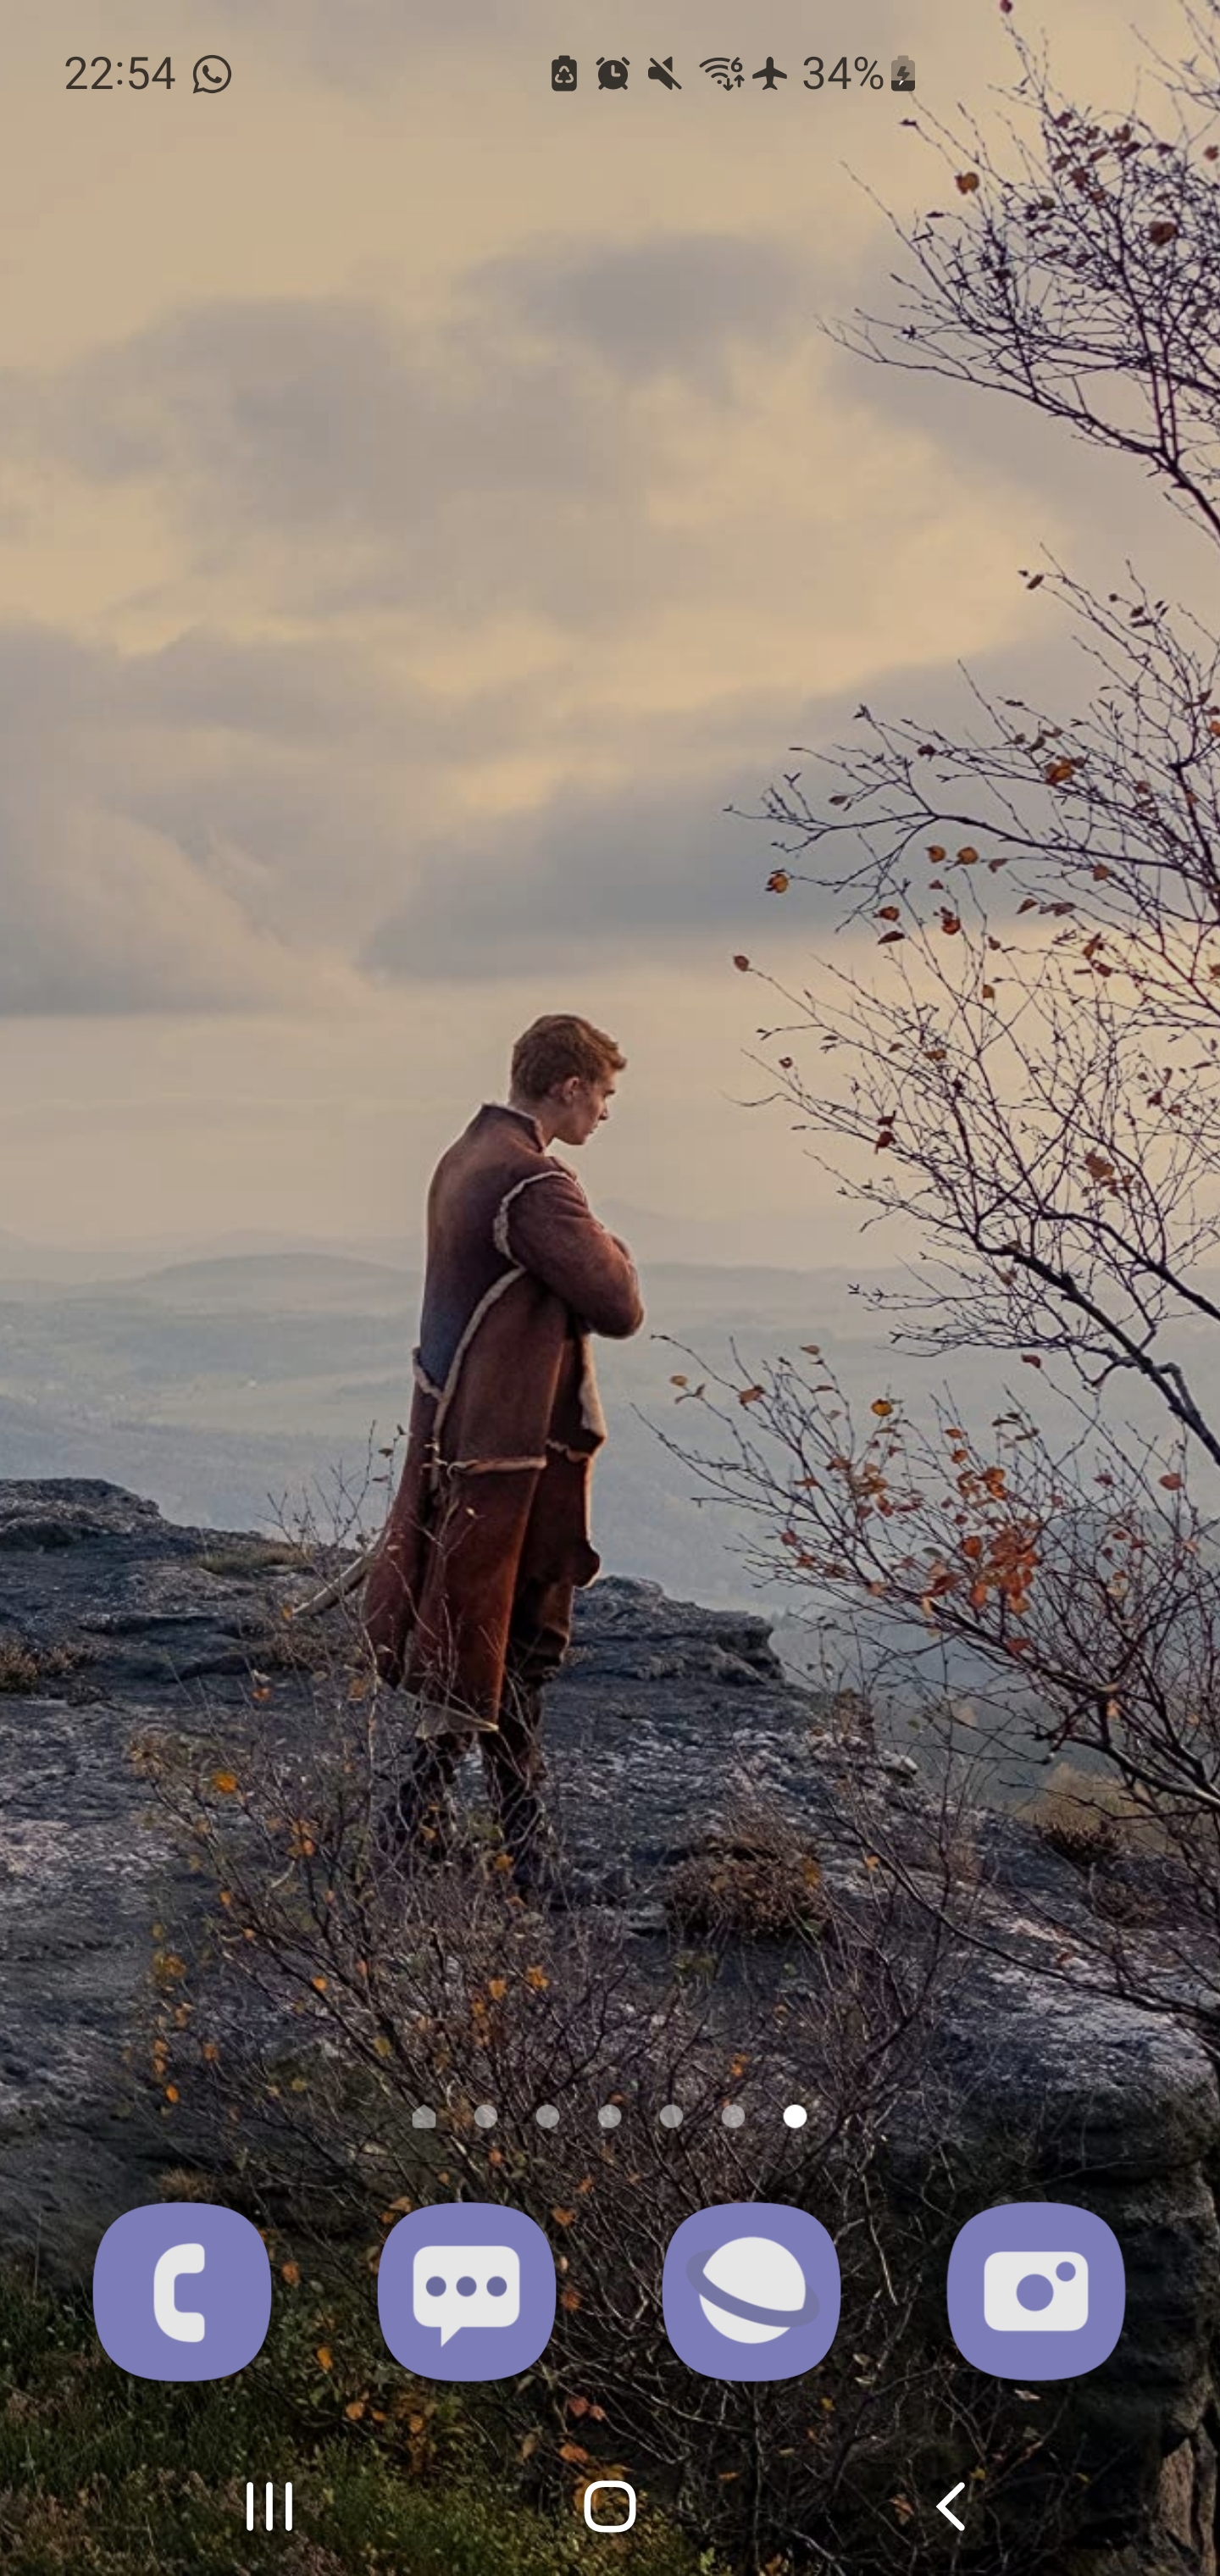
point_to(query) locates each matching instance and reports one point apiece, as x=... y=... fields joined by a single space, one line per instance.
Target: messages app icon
x=466 y=2290
x=181 y=2290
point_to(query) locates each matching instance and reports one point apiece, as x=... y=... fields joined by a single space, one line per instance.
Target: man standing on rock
x=468 y=1601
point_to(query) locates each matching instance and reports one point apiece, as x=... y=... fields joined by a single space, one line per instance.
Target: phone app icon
x=1036 y=2290
x=466 y=2290
x=751 y=2291
x=181 y=2290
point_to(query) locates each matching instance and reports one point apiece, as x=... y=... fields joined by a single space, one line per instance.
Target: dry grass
x=26 y=1668
x=762 y=1884
x=241 y=1560
x=1091 y=1820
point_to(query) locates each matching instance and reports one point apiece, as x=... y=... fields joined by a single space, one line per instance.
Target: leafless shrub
x=1026 y=1062
x=337 y=1993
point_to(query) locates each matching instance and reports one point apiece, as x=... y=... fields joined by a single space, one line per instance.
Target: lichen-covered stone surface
x=671 y=1724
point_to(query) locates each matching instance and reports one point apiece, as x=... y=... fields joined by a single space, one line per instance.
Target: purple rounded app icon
x=1036 y=2290
x=466 y=2290
x=751 y=2291
x=181 y=2290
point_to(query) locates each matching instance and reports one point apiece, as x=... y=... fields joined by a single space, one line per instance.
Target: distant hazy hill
x=297 y=1283
x=91 y=1264
x=786 y=1242
x=228 y=1385
x=789 y=1242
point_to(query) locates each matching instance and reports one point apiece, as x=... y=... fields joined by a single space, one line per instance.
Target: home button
x=610 y=2487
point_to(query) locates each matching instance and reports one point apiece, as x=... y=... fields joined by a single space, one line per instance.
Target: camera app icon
x=1035 y=2293
x=1036 y=2290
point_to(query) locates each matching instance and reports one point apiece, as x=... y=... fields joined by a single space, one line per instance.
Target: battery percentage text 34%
x=869 y=75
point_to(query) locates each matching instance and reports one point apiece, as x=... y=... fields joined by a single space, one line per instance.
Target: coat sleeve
x=549 y=1227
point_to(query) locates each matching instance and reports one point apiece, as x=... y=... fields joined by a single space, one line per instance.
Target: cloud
x=227 y=824
x=503 y=455
x=500 y=609
x=677 y=858
x=673 y=305
x=170 y=822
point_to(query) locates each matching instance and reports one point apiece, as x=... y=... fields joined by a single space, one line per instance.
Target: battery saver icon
x=902 y=72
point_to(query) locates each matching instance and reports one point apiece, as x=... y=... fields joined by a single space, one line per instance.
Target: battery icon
x=902 y=72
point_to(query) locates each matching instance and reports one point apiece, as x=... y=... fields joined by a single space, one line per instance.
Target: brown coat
x=519 y=1273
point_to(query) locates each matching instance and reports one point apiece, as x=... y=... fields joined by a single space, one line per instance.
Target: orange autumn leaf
x=324 y=2357
x=225 y=1781
x=968 y=182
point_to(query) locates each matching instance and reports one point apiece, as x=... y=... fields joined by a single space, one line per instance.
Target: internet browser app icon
x=751 y=2291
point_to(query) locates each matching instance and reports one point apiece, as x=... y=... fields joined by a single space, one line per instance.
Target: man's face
x=580 y=1107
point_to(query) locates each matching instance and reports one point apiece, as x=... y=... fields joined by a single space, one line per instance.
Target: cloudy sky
x=426 y=502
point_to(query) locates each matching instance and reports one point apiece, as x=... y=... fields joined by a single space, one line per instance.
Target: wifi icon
x=719 y=68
